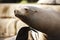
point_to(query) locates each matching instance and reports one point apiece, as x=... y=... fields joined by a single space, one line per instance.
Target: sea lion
x=46 y=21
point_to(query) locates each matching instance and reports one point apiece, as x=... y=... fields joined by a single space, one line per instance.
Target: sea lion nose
x=15 y=11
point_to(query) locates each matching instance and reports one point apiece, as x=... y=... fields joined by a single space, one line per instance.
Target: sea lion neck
x=23 y=18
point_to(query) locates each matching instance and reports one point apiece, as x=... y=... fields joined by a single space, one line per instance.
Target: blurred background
x=18 y=1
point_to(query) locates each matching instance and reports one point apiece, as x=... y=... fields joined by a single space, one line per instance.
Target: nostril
x=15 y=11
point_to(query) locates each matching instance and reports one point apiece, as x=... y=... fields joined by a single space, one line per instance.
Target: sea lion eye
x=26 y=9
x=35 y=11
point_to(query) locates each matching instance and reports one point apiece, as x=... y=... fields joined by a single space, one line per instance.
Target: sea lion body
x=46 y=21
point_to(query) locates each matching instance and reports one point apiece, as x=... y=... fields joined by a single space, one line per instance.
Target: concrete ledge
x=9 y=38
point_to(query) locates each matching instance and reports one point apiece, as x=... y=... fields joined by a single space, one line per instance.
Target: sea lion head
x=25 y=10
x=29 y=15
x=25 y=13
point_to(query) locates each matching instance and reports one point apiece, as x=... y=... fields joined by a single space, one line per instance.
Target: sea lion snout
x=21 y=11
x=16 y=12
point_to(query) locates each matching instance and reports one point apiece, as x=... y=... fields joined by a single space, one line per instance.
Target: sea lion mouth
x=22 y=17
x=19 y=14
